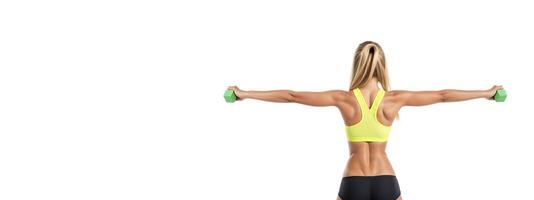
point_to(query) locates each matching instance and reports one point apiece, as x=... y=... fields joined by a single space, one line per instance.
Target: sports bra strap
x=374 y=105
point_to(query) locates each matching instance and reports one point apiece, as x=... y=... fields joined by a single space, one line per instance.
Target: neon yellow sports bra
x=369 y=128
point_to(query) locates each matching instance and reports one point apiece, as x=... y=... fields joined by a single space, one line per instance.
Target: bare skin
x=366 y=158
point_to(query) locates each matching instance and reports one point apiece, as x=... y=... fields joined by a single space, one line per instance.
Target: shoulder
x=396 y=96
x=397 y=93
x=339 y=94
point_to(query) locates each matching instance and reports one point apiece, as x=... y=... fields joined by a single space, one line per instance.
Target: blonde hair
x=369 y=61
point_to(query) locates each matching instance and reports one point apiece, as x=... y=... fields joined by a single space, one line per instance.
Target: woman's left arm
x=323 y=98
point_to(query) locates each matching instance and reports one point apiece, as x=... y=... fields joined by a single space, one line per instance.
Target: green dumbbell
x=500 y=96
x=229 y=96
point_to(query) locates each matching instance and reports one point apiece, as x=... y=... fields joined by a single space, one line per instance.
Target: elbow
x=289 y=96
x=443 y=96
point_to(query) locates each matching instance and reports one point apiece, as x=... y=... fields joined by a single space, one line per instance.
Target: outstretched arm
x=422 y=98
x=323 y=98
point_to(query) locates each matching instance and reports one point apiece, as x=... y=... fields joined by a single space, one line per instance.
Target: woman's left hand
x=237 y=91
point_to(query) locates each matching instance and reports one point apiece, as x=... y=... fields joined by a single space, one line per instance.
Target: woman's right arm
x=422 y=98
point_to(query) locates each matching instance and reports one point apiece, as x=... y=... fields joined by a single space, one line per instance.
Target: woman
x=368 y=174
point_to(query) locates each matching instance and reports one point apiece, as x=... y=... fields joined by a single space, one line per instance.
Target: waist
x=362 y=164
x=364 y=155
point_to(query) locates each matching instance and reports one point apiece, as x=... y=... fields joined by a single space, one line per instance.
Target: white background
x=123 y=99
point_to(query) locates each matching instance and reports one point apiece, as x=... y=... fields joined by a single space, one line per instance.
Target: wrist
x=489 y=94
x=241 y=94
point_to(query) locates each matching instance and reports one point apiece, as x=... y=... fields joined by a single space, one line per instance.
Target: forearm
x=450 y=95
x=271 y=95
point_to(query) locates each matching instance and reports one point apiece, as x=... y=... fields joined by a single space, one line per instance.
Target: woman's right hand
x=492 y=91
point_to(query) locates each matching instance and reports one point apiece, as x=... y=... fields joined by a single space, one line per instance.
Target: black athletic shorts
x=381 y=187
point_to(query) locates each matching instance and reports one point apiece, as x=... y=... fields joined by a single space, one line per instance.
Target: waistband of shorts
x=369 y=177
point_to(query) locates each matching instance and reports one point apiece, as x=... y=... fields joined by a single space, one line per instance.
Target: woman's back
x=368 y=158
